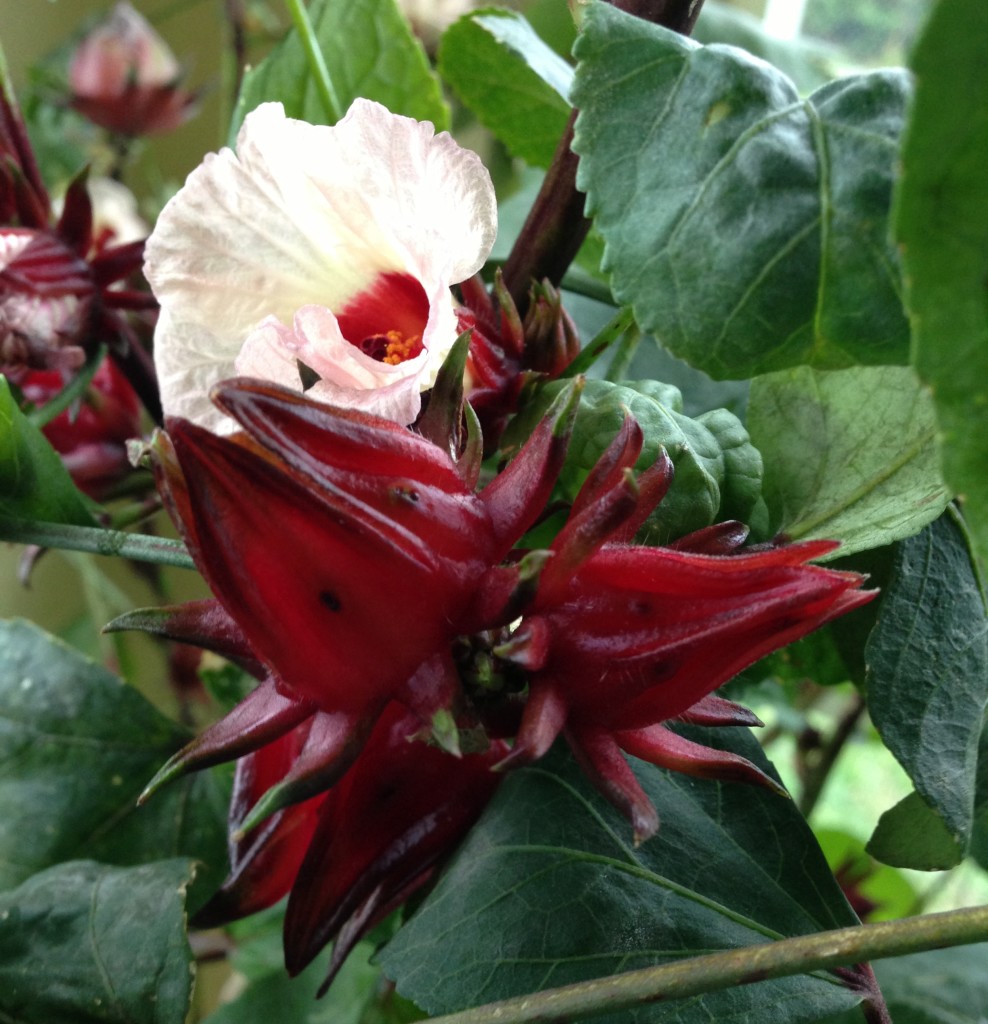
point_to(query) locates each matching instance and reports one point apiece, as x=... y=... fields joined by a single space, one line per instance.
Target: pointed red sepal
x=511 y=331
x=75 y=226
x=720 y=539
x=116 y=263
x=15 y=147
x=433 y=689
x=718 y=711
x=441 y=421
x=605 y=766
x=21 y=202
x=330 y=747
x=609 y=469
x=652 y=487
x=667 y=749
x=382 y=477
x=321 y=441
x=204 y=623
x=542 y=721
x=400 y=808
x=261 y=717
x=48 y=268
x=517 y=496
x=263 y=864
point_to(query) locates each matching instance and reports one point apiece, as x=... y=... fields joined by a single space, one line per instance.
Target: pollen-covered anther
x=392 y=347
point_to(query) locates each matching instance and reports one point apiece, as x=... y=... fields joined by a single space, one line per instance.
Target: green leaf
x=927 y=671
x=512 y=81
x=881 y=885
x=718 y=470
x=912 y=835
x=942 y=223
x=77 y=746
x=370 y=52
x=271 y=995
x=746 y=227
x=943 y=986
x=90 y=944
x=33 y=482
x=848 y=454
x=549 y=890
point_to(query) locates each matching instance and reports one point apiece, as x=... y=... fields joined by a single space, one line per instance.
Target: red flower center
x=387 y=320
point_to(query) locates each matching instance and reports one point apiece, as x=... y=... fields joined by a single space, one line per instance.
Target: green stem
x=819 y=771
x=317 y=63
x=76 y=388
x=625 y=353
x=139 y=546
x=781 y=959
x=621 y=323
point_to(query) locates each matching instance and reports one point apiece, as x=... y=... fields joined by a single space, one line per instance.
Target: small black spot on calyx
x=329 y=600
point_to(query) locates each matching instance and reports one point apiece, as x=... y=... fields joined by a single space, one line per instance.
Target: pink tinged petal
x=663 y=747
x=605 y=766
x=270 y=353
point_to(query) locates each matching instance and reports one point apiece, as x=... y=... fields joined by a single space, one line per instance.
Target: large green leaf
x=77 y=746
x=512 y=81
x=849 y=454
x=34 y=485
x=927 y=673
x=369 y=50
x=83 y=943
x=746 y=227
x=548 y=889
x=942 y=223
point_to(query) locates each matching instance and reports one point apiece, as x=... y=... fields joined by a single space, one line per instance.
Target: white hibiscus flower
x=318 y=258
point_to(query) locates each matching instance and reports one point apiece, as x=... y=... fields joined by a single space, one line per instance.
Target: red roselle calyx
x=381 y=597
x=91 y=438
x=506 y=353
x=62 y=291
x=124 y=77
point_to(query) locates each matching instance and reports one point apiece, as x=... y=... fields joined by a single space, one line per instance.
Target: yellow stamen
x=399 y=348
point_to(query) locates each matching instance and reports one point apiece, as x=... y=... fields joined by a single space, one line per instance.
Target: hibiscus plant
x=542 y=460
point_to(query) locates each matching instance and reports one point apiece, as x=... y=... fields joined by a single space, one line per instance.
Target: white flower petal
x=310 y=217
x=269 y=354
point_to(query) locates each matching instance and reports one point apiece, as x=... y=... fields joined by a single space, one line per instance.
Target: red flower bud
x=92 y=439
x=350 y=855
x=124 y=77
